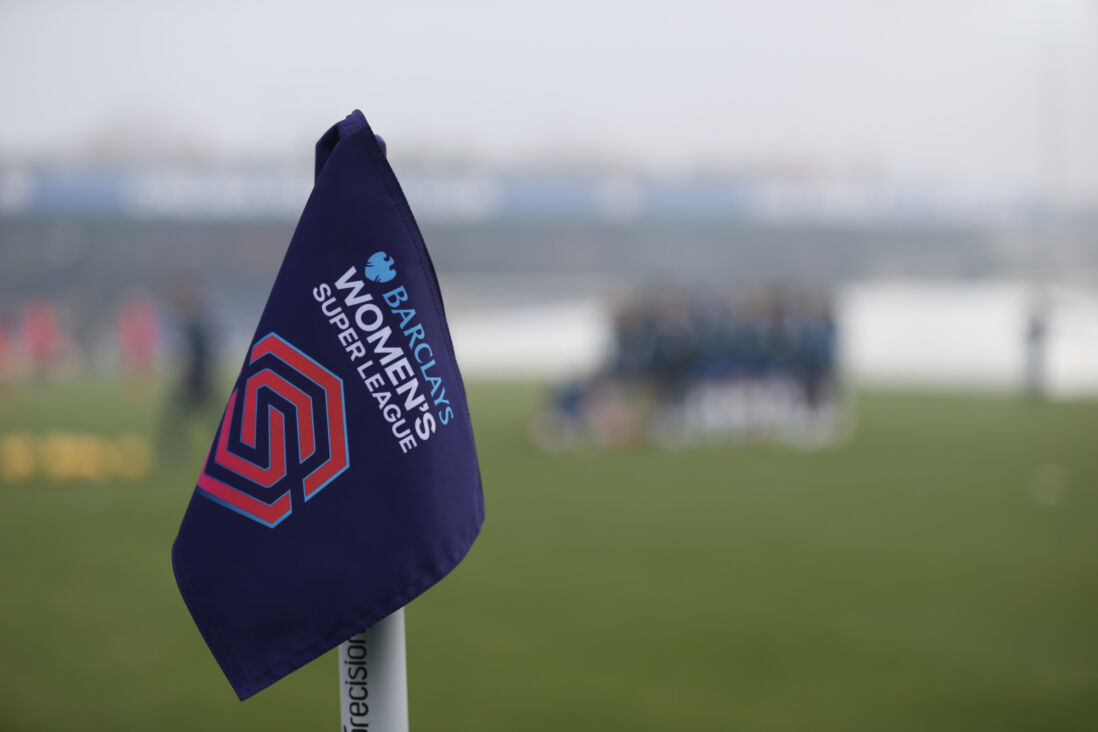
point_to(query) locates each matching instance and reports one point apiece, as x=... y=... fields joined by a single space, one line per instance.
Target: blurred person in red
x=138 y=339
x=40 y=335
x=3 y=355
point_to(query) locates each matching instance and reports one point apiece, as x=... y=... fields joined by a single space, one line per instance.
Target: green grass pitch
x=934 y=573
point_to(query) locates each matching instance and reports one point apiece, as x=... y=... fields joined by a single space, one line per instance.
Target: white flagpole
x=373 y=672
x=373 y=678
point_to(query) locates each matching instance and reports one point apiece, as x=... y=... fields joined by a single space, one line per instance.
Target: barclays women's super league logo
x=379 y=268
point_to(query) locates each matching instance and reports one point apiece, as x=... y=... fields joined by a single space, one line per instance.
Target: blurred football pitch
x=938 y=572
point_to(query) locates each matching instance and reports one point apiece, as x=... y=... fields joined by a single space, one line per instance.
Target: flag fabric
x=342 y=481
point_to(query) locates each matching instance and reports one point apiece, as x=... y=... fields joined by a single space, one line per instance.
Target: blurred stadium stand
x=529 y=261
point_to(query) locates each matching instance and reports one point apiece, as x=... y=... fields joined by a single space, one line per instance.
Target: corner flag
x=342 y=481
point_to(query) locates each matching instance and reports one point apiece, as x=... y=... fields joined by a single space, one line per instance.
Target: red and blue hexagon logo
x=283 y=436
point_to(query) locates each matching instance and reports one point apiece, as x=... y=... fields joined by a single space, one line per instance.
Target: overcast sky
x=984 y=93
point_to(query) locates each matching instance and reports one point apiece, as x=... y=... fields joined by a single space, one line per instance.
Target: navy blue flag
x=342 y=481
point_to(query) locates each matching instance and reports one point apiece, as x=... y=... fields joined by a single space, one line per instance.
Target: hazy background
x=962 y=94
x=929 y=170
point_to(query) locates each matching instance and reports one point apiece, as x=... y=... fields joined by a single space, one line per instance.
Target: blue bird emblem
x=379 y=267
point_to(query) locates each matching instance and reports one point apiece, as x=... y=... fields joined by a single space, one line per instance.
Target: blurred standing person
x=3 y=356
x=40 y=336
x=1036 y=337
x=192 y=396
x=675 y=346
x=778 y=334
x=633 y=340
x=138 y=340
x=817 y=353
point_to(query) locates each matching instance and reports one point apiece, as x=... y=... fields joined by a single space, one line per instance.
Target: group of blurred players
x=693 y=369
x=41 y=341
x=149 y=338
x=683 y=369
